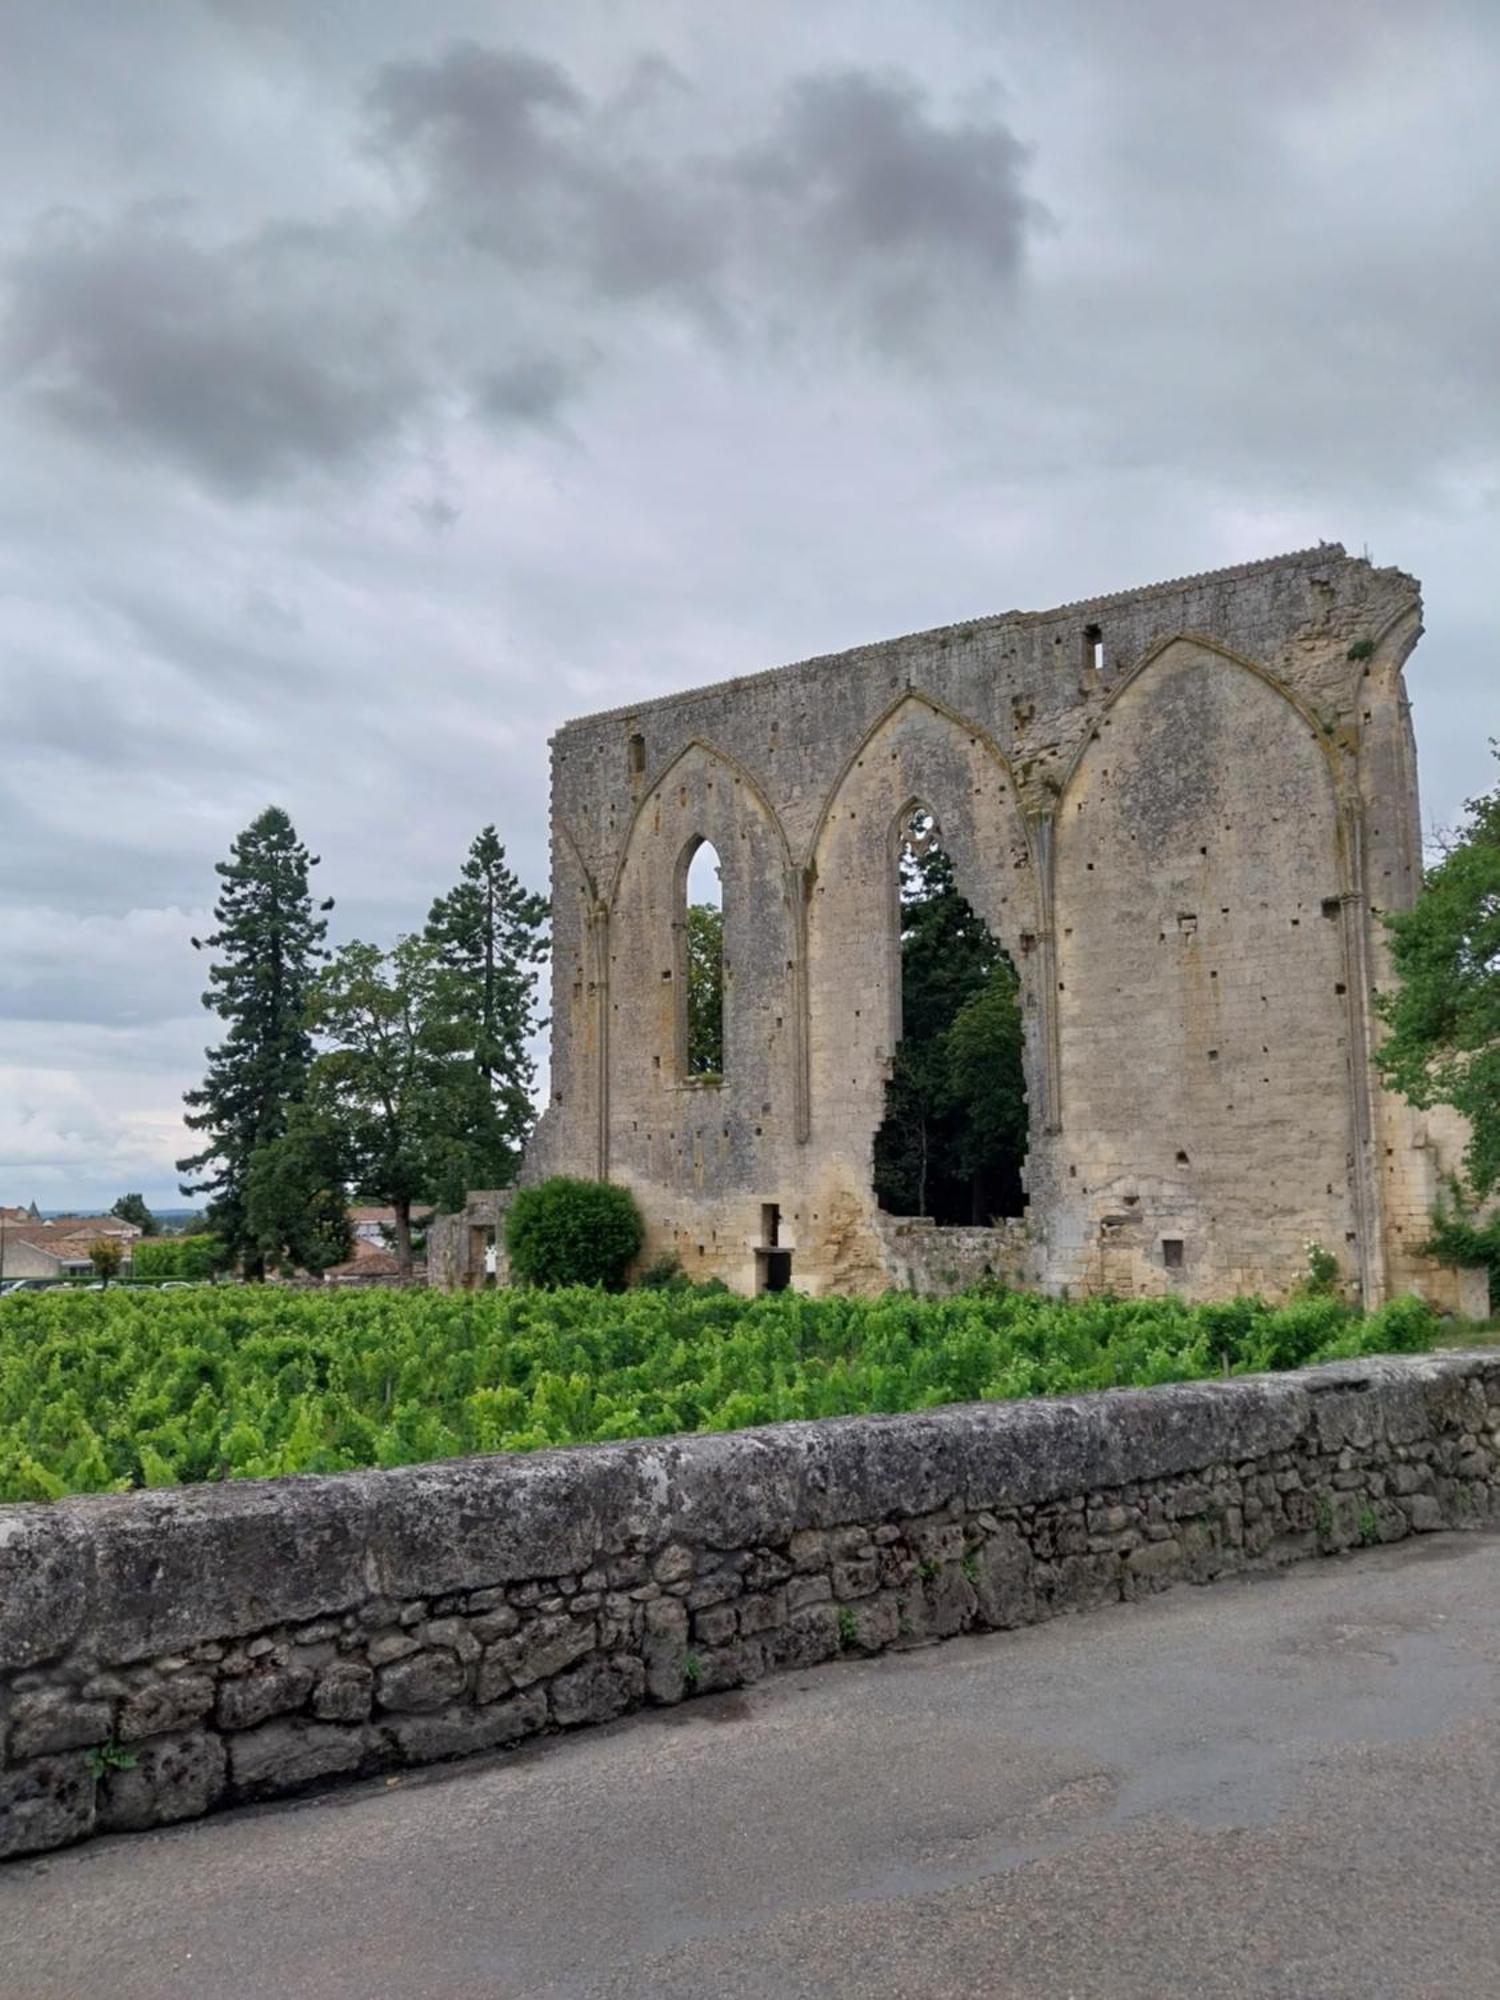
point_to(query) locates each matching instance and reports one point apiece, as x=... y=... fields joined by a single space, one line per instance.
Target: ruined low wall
x=244 y=1640
x=932 y=1261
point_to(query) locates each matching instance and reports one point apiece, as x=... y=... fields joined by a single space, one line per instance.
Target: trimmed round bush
x=571 y=1232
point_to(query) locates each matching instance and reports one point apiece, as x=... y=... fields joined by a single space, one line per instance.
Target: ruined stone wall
x=1180 y=810
x=166 y=1653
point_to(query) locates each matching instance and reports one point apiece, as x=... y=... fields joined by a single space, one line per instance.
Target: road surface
x=1284 y=1786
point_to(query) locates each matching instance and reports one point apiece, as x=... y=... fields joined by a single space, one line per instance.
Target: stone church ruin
x=1178 y=810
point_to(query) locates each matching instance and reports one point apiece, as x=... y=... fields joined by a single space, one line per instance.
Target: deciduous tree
x=1444 y=1017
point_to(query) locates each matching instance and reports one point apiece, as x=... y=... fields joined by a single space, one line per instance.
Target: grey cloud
x=868 y=174
x=530 y=392
x=233 y=361
x=858 y=179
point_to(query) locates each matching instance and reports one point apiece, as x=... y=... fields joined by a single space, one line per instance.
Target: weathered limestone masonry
x=243 y=1640
x=1180 y=810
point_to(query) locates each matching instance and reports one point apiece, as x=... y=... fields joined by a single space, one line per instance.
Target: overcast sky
x=382 y=383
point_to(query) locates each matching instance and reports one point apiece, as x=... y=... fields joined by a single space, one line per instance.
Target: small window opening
x=637 y=755
x=1093 y=648
x=773 y=1270
x=1331 y=906
x=1171 y=1252
x=770 y=1224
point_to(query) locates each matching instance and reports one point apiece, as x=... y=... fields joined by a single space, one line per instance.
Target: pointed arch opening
x=700 y=965
x=953 y=1143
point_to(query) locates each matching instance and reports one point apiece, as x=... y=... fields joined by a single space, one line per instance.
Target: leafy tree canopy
x=1443 y=1045
x=954 y=1136
x=395 y=1084
x=705 y=1002
x=132 y=1208
x=296 y=1197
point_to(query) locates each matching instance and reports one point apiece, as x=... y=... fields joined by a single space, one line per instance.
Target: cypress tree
x=488 y=935
x=268 y=941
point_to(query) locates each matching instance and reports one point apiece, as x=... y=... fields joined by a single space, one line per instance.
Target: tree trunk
x=403 y=1239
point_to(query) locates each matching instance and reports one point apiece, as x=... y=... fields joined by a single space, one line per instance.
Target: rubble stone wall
x=163 y=1654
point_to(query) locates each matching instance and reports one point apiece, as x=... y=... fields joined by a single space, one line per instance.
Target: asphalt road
x=1284 y=1786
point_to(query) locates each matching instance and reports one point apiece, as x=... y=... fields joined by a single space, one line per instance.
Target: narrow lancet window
x=701 y=991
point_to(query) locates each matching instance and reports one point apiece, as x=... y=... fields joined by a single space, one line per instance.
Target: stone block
x=160 y=1706
x=597 y=1691
x=255 y=1697
x=809 y=1636
x=45 y=1802
x=1004 y=1583
x=283 y=1756
x=715 y=1626
x=173 y=1777
x=426 y=1680
x=541 y=1649
x=343 y=1692
x=665 y=1661
x=761 y=1612
x=856 y=1579
x=54 y=1719
x=459 y=1732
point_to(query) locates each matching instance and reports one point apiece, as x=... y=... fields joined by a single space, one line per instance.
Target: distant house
x=57 y=1246
x=378 y=1225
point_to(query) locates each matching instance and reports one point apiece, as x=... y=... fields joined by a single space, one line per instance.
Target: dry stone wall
x=164 y=1654
x=1181 y=810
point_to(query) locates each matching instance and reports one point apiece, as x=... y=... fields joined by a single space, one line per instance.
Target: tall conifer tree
x=489 y=935
x=269 y=942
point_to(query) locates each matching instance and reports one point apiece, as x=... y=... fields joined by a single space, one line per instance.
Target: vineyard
x=109 y=1390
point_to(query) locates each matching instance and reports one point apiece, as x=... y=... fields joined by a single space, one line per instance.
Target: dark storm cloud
x=237 y=362
x=864 y=172
x=858 y=178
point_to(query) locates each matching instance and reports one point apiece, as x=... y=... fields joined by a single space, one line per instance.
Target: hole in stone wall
x=953 y=1142
x=1093 y=649
x=1171 y=1252
x=701 y=990
x=637 y=755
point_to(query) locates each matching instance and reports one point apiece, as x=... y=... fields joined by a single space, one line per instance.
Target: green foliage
x=848 y=1627
x=664 y=1274
x=705 y=1001
x=296 y=1195
x=573 y=1232
x=132 y=1208
x=193 y=1257
x=128 y=1388
x=488 y=936
x=1323 y=1275
x=954 y=1134
x=1361 y=649
x=106 y=1254
x=1444 y=1018
x=1458 y=1237
x=394 y=1080
x=269 y=941
x=111 y=1756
